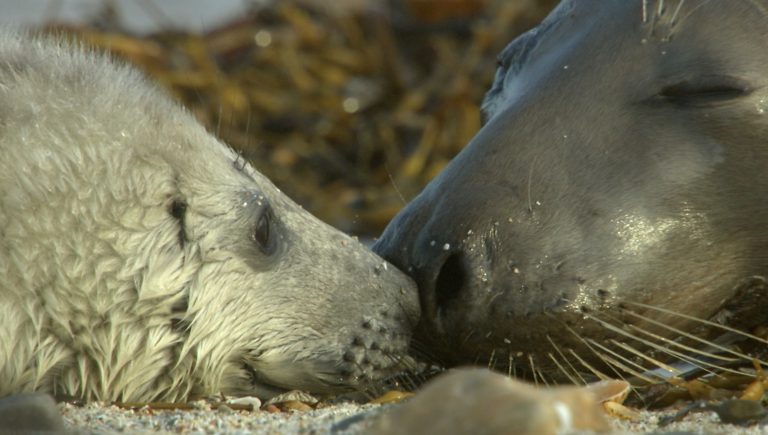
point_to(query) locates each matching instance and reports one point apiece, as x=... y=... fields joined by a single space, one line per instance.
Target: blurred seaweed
x=350 y=106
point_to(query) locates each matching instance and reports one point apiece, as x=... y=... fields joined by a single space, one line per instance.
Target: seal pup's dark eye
x=178 y=210
x=262 y=233
x=705 y=90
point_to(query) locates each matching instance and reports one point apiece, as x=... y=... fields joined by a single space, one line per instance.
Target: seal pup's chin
x=352 y=360
x=267 y=380
x=143 y=260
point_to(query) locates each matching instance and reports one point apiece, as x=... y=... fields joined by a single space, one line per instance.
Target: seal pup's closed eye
x=141 y=259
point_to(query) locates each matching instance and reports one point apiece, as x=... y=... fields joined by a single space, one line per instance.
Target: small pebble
x=30 y=413
x=740 y=411
x=295 y=405
x=254 y=402
x=224 y=409
x=392 y=396
x=472 y=401
x=293 y=396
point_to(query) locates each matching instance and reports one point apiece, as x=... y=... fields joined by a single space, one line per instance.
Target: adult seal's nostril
x=450 y=281
x=616 y=180
x=441 y=283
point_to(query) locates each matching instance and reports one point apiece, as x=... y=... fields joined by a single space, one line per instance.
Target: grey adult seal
x=615 y=192
x=141 y=259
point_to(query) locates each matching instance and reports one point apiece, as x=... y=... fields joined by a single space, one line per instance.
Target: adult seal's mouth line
x=609 y=216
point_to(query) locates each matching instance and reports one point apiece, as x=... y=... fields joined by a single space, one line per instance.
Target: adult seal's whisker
x=492 y=359
x=592 y=369
x=573 y=370
x=572 y=377
x=620 y=361
x=653 y=361
x=608 y=361
x=619 y=165
x=739 y=356
x=664 y=349
x=702 y=321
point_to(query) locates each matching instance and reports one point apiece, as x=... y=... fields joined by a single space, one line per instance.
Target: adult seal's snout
x=619 y=171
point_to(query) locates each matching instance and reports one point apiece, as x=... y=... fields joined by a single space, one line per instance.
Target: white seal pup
x=141 y=259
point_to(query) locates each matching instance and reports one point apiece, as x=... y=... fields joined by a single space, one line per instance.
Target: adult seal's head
x=621 y=166
x=142 y=259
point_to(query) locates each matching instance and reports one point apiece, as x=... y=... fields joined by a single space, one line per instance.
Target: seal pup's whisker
x=219 y=119
x=420 y=374
x=412 y=382
x=248 y=138
x=422 y=352
x=365 y=385
x=412 y=375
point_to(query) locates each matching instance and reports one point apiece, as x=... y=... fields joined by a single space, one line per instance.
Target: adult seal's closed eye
x=615 y=192
x=141 y=259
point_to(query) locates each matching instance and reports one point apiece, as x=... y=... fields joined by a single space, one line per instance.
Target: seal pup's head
x=619 y=174
x=142 y=259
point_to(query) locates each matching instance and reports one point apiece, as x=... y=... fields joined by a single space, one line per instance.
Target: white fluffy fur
x=91 y=264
